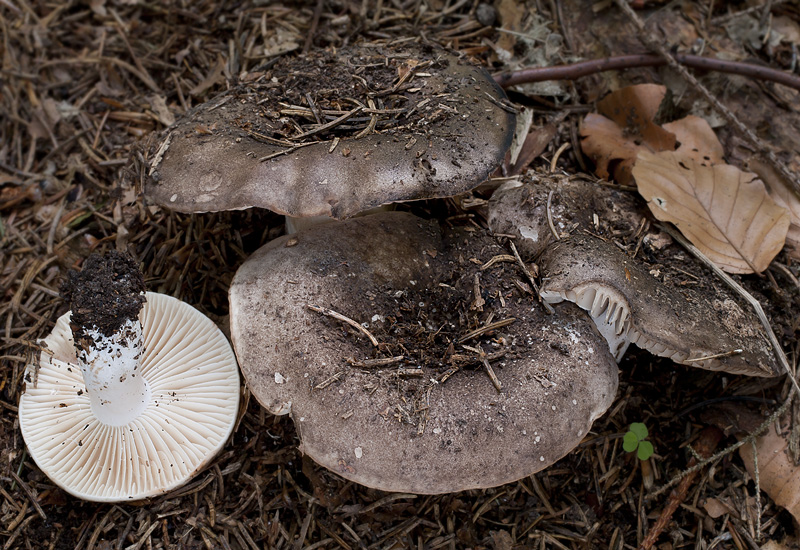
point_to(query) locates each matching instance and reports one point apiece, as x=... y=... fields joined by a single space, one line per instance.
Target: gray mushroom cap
x=439 y=127
x=628 y=304
x=685 y=326
x=436 y=432
x=521 y=210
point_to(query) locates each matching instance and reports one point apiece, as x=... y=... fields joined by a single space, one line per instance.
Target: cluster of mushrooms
x=412 y=355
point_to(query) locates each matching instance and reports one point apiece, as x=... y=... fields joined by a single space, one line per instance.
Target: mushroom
x=126 y=404
x=336 y=133
x=704 y=327
x=404 y=365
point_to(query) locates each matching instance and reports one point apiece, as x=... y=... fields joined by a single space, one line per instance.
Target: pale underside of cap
x=451 y=135
x=193 y=377
x=557 y=375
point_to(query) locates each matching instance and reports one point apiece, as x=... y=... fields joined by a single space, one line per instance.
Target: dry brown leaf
x=512 y=15
x=697 y=139
x=604 y=142
x=634 y=108
x=781 y=194
x=716 y=508
x=724 y=212
x=623 y=127
x=778 y=475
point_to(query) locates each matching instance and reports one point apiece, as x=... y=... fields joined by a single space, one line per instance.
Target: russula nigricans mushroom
x=133 y=393
x=466 y=384
x=336 y=133
x=632 y=306
x=703 y=327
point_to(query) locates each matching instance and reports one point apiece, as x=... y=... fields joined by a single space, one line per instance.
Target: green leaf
x=630 y=441
x=645 y=450
x=639 y=429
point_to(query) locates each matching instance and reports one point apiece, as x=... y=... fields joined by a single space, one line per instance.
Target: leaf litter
x=680 y=170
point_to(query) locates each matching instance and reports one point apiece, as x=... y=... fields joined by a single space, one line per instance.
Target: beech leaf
x=779 y=190
x=697 y=139
x=778 y=475
x=724 y=212
x=623 y=127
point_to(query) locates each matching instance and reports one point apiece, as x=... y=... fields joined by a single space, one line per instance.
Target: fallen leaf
x=717 y=508
x=724 y=212
x=783 y=196
x=634 y=108
x=778 y=475
x=532 y=146
x=501 y=540
x=623 y=127
x=787 y=28
x=512 y=14
x=696 y=139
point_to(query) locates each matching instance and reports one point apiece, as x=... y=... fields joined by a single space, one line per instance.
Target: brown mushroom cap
x=438 y=129
x=628 y=304
x=402 y=279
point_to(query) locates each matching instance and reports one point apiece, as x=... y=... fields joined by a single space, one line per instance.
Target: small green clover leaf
x=634 y=440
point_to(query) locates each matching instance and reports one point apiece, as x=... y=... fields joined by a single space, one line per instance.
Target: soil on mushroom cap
x=104 y=295
x=385 y=82
x=425 y=323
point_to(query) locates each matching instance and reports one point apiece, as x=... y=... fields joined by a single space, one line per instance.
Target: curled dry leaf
x=623 y=127
x=724 y=212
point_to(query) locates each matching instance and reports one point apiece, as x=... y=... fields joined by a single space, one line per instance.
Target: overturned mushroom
x=336 y=133
x=704 y=327
x=470 y=385
x=126 y=404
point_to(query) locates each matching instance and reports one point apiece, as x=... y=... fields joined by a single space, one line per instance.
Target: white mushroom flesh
x=606 y=307
x=611 y=314
x=117 y=391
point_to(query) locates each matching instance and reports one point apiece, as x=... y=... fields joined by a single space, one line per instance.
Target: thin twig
x=372 y=363
x=329 y=125
x=753 y=9
x=731 y=118
x=715 y=356
x=287 y=151
x=314 y=24
x=497 y=259
x=29 y=494
x=550 y=216
x=527 y=273
x=484 y=358
x=574 y=71
x=486 y=328
x=344 y=319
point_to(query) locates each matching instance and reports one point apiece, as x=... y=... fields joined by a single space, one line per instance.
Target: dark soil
x=105 y=294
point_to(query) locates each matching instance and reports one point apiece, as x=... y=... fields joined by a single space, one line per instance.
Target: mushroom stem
x=110 y=366
x=105 y=300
